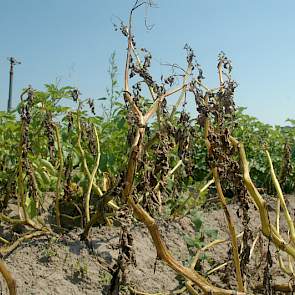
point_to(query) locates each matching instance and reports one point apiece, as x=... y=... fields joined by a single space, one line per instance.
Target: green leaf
x=197 y=223
x=31 y=207
x=212 y=233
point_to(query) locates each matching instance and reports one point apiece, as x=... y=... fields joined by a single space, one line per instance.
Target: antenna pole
x=13 y=62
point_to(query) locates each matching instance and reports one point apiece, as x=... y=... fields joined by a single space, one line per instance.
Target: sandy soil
x=65 y=265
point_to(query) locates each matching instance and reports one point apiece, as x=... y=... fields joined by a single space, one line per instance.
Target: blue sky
x=71 y=41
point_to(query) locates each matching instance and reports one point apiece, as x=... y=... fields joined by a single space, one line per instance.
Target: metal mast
x=13 y=62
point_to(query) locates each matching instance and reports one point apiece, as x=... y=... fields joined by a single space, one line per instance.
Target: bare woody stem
x=5 y=250
x=95 y=187
x=86 y=170
x=220 y=77
x=7 y=275
x=134 y=156
x=92 y=176
x=162 y=250
x=165 y=255
x=281 y=198
x=91 y=179
x=83 y=156
x=268 y=229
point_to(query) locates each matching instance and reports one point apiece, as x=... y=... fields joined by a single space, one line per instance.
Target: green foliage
x=46 y=112
x=41 y=161
x=48 y=250
x=51 y=166
x=201 y=233
x=202 y=236
x=9 y=141
x=113 y=134
x=113 y=92
x=199 y=155
x=80 y=269
x=255 y=134
x=31 y=207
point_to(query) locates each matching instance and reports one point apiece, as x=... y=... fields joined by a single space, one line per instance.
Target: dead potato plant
x=142 y=186
x=226 y=159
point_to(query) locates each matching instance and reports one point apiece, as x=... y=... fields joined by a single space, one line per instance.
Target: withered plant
x=161 y=140
x=140 y=116
x=226 y=157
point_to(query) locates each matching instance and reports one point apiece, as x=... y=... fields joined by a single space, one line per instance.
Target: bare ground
x=65 y=265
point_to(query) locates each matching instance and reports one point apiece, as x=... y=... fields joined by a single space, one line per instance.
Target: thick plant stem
x=60 y=173
x=5 y=250
x=95 y=187
x=134 y=157
x=230 y=224
x=258 y=200
x=92 y=176
x=83 y=156
x=164 y=254
x=4 y=241
x=281 y=198
x=91 y=179
x=162 y=251
x=150 y=223
x=10 y=281
x=268 y=229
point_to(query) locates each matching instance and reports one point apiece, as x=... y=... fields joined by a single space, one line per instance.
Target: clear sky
x=72 y=40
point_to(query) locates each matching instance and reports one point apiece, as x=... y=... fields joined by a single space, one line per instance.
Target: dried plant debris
x=126 y=257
